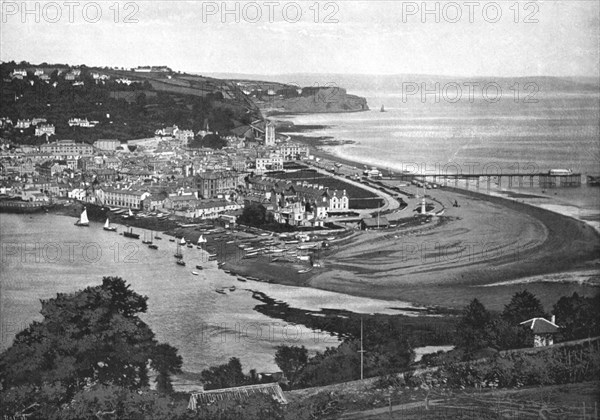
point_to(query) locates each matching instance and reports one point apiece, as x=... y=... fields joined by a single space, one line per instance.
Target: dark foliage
x=90 y=337
x=578 y=316
x=224 y=376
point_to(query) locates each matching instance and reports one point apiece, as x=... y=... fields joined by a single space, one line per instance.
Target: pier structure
x=476 y=181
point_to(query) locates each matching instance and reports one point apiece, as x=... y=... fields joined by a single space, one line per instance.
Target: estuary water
x=45 y=254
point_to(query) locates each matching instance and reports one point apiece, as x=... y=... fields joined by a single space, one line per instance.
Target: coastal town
x=388 y=265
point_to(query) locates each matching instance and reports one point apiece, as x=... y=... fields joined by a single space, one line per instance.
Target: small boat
x=158 y=238
x=83 y=219
x=145 y=241
x=129 y=234
x=108 y=227
x=195 y=273
x=232 y=289
x=241 y=279
x=182 y=241
x=226 y=271
x=199 y=267
x=152 y=246
x=382 y=109
x=171 y=240
x=129 y=215
x=180 y=262
x=305 y=270
x=221 y=291
x=178 y=253
x=190 y=246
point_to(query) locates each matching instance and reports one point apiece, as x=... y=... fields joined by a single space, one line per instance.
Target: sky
x=462 y=38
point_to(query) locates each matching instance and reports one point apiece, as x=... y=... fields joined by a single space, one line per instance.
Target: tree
x=578 y=316
x=291 y=360
x=165 y=361
x=224 y=376
x=92 y=336
x=473 y=329
x=254 y=215
x=523 y=306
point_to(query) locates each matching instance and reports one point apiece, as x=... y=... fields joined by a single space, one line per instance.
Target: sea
x=431 y=134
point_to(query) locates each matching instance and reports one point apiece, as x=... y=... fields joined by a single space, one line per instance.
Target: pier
x=540 y=180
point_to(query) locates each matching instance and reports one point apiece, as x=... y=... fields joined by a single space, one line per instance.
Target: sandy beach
x=446 y=261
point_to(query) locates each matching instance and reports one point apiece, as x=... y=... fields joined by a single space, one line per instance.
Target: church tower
x=269 y=134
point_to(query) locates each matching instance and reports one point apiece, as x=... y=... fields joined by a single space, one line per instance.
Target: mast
x=361 y=351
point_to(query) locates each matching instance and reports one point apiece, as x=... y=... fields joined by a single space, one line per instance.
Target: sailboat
x=129 y=215
x=382 y=109
x=178 y=253
x=145 y=241
x=83 y=219
x=152 y=245
x=108 y=227
x=201 y=241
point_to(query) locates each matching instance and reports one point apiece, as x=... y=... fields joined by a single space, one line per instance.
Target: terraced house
x=121 y=197
x=63 y=148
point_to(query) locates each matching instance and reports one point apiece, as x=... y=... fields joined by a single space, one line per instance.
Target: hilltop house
x=45 y=130
x=543 y=330
x=167 y=131
x=23 y=124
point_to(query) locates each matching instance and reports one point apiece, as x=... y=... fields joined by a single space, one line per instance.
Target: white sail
x=107 y=224
x=201 y=240
x=83 y=219
x=130 y=213
x=182 y=241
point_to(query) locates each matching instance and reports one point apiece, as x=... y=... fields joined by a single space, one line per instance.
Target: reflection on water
x=45 y=254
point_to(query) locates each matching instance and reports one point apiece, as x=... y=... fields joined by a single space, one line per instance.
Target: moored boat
x=83 y=219
x=145 y=241
x=108 y=227
x=129 y=234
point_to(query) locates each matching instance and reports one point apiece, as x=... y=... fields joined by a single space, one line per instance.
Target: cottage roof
x=540 y=326
x=241 y=393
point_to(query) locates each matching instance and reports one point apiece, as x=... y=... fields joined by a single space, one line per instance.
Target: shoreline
x=549 y=257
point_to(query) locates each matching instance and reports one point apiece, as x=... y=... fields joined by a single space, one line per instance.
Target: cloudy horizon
x=470 y=39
